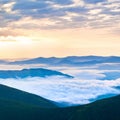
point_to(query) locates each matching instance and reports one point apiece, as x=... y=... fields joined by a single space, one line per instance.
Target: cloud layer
x=60 y=13
x=71 y=92
x=88 y=85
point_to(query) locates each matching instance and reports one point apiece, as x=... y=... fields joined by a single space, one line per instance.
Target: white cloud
x=95 y=11
x=69 y=91
x=15 y=38
x=55 y=15
x=84 y=88
x=29 y=22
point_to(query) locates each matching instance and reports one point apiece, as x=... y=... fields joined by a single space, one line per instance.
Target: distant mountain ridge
x=111 y=75
x=33 y=72
x=70 y=60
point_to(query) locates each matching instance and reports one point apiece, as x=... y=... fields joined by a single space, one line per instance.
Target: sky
x=32 y=28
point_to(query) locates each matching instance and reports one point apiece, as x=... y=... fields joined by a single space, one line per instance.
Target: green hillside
x=19 y=105
x=106 y=109
x=12 y=94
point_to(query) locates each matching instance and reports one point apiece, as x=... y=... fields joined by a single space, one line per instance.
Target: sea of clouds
x=85 y=87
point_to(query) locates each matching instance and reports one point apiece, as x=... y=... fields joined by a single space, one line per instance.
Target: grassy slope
x=15 y=107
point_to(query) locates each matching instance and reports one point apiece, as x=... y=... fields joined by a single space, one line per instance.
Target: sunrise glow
x=62 y=29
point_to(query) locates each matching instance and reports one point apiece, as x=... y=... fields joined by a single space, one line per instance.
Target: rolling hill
x=19 y=105
x=106 y=109
x=12 y=94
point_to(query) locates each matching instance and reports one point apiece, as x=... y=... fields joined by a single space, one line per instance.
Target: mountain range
x=19 y=105
x=70 y=60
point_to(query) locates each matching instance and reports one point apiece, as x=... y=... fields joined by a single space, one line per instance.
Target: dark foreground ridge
x=18 y=96
x=19 y=105
x=33 y=72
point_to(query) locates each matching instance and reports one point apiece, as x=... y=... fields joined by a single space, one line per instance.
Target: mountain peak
x=33 y=72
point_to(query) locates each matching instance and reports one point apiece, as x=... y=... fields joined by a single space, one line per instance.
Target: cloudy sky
x=31 y=28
